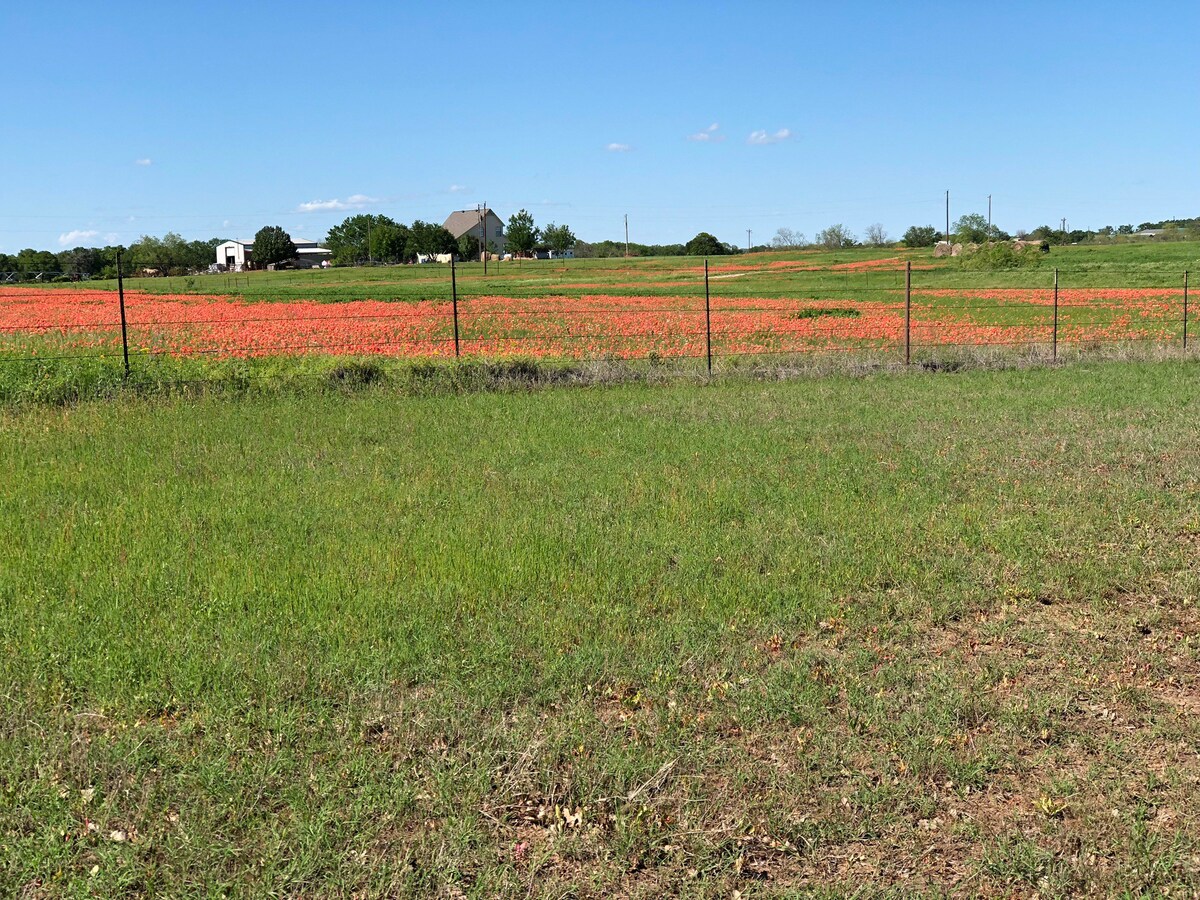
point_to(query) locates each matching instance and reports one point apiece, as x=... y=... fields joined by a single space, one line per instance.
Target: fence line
x=485 y=324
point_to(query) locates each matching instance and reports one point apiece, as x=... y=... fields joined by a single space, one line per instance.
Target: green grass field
x=1111 y=266
x=882 y=636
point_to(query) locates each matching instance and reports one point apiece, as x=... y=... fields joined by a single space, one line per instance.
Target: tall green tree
x=468 y=247
x=348 y=242
x=30 y=261
x=522 y=233
x=921 y=236
x=1049 y=234
x=429 y=239
x=81 y=262
x=704 y=244
x=559 y=238
x=389 y=243
x=272 y=245
x=202 y=254
x=147 y=252
x=973 y=228
x=168 y=254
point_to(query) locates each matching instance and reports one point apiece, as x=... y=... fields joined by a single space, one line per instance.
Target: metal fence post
x=124 y=325
x=908 y=313
x=454 y=304
x=1054 y=336
x=1185 y=299
x=707 y=321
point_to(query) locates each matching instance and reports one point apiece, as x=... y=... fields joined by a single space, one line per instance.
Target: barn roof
x=461 y=221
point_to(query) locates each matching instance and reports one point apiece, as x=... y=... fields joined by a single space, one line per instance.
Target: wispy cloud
x=709 y=135
x=762 y=137
x=144 y=161
x=458 y=188
x=75 y=237
x=354 y=201
x=618 y=148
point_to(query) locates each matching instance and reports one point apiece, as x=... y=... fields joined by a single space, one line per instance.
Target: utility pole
x=747 y=240
x=626 y=235
x=989 y=216
x=947 y=217
x=369 y=259
x=1064 y=225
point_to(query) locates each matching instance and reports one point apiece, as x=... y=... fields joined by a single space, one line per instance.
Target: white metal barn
x=238 y=256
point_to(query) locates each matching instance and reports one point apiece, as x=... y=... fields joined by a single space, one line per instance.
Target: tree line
x=378 y=238
x=170 y=254
x=703 y=244
x=973 y=228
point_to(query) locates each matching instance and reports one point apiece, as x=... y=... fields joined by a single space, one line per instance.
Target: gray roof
x=463 y=220
x=249 y=243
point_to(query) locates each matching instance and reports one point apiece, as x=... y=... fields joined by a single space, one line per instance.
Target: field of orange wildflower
x=81 y=322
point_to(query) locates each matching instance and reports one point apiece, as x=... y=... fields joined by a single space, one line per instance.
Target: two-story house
x=472 y=221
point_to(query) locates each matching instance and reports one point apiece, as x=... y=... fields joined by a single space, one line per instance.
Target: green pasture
x=922 y=635
x=1113 y=266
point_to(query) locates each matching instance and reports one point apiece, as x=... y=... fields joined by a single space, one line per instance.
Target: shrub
x=1001 y=255
x=841 y=312
x=921 y=236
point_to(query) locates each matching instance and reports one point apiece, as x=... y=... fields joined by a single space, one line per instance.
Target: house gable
x=466 y=221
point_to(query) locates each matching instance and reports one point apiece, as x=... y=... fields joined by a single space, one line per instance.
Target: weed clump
x=1000 y=255
x=841 y=312
x=356 y=374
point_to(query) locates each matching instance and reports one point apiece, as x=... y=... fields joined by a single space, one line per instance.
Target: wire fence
x=713 y=315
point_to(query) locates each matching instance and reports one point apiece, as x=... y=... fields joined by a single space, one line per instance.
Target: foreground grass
x=907 y=634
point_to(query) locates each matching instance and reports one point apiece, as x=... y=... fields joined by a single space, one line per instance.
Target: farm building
x=468 y=221
x=238 y=256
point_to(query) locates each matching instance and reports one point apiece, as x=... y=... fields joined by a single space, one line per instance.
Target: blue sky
x=214 y=119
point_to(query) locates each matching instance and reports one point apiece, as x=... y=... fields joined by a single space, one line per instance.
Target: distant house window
x=499 y=230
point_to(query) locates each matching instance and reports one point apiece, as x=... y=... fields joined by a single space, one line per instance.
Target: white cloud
x=762 y=137
x=75 y=237
x=708 y=136
x=144 y=161
x=458 y=188
x=354 y=201
x=618 y=148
